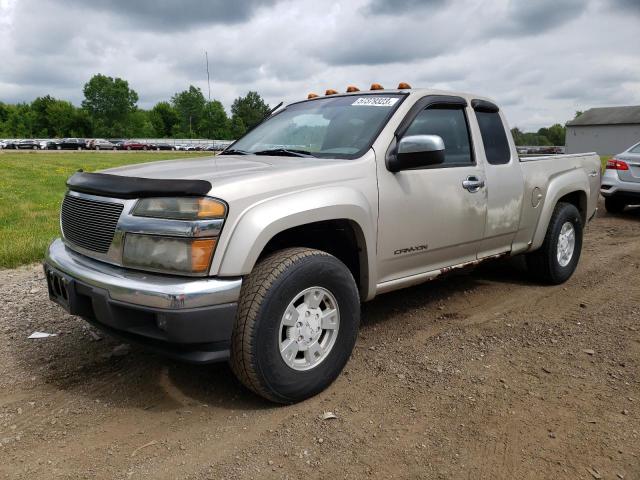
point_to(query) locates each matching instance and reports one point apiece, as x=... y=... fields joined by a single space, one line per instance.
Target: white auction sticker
x=375 y=101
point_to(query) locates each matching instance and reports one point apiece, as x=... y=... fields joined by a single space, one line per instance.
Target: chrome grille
x=89 y=224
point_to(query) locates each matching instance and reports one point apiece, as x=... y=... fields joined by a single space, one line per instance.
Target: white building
x=606 y=131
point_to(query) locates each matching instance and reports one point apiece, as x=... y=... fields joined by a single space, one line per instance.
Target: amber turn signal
x=331 y=91
x=404 y=86
x=352 y=88
x=209 y=208
x=201 y=253
x=312 y=95
x=376 y=86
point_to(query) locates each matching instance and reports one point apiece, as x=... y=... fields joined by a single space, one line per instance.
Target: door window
x=451 y=125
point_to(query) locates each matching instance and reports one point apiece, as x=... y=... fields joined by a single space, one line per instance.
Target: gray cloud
x=401 y=7
x=174 y=15
x=540 y=60
x=630 y=5
x=526 y=17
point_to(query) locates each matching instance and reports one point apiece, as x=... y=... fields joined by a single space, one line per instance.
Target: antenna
x=206 y=56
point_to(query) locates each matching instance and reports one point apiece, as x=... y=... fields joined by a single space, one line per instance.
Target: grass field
x=31 y=189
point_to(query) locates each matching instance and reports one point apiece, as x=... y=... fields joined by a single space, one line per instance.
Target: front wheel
x=614 y=205
x=297 y=324
x=556 y=260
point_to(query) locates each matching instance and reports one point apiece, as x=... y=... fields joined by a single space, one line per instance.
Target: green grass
x=32 y=185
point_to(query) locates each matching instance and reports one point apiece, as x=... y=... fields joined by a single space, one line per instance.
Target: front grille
x=89 y=224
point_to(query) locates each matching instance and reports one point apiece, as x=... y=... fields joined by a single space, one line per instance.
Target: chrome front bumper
x=144 y=289
x=190 y=319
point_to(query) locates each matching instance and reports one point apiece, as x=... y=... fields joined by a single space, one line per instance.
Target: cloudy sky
x=540 y=59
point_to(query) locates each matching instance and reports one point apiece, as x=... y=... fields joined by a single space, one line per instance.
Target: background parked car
x=102 y=144
x=71 y=144
x=133 y=145
x=162 y=146
x=27 y=145
x=48 y=145
x=11 y=144
x=621 y=180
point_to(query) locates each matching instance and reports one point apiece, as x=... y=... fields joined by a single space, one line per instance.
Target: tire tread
x=253 y=292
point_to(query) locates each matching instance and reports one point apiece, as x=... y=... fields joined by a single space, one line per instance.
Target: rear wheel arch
x=564 y=189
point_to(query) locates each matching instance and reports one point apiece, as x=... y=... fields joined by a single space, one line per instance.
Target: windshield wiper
x=234 y=151
x=285 y=152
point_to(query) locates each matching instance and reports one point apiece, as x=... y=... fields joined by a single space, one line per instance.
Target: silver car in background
x=621 y=180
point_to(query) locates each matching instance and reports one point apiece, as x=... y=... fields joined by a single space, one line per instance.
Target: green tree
x=61 y=119
x=578 y=113
x=163 y=117
x=41 y=123
x=215 y=123
x=555 y=134
x=237 y=128
x=140 y=125
x=109 y=102
x=190 y=107
x=251 y=109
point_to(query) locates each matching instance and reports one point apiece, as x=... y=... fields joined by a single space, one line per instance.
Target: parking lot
x=479 y=375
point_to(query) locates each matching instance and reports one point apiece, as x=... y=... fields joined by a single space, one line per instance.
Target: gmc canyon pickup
x=262 y=255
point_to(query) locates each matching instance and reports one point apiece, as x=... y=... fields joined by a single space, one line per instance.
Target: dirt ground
x=480 y=375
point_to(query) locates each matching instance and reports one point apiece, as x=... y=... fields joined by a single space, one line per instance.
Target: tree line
x=109 y=109
x=544 y=137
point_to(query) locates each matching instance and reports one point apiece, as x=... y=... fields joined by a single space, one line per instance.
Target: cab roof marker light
x=331 y=91
x=376 y=86
x=352 y=88
x=312 y=95
x=404 y=86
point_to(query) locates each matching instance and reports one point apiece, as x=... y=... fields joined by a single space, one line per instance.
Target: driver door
x=428 y=219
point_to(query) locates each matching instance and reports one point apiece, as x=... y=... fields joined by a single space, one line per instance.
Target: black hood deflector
x=117 y=186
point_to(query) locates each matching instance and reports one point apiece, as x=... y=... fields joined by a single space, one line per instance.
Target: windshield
x=330 y=127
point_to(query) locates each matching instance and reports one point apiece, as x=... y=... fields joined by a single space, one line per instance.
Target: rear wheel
x=297 y=324
x=614 y=205
x=556 y=260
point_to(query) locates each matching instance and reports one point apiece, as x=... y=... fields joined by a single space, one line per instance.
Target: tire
x=267 y=293
x=545 y=263
x=614 y=205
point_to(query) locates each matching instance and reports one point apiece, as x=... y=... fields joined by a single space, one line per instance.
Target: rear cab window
x=494 y=136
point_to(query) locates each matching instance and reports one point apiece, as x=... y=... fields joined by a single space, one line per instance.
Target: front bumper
x=185 y=318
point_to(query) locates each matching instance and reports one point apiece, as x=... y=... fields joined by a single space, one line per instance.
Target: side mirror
x=417 y=151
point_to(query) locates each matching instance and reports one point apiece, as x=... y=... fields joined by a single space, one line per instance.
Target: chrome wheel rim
x=309 y=328
x=566 y=244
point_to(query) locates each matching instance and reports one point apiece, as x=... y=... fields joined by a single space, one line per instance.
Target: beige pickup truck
x=263 y=254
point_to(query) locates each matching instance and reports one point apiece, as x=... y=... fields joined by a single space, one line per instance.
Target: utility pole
x=206 y=56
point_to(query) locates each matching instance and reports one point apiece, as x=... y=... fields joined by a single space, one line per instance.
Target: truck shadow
x=146 y=381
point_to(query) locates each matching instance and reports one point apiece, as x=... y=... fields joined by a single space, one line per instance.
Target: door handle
x=473 y=184
x=593 y=173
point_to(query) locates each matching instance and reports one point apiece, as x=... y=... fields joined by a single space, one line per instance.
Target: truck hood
x=239 y=176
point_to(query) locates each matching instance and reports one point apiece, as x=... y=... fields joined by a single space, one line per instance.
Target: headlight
x=168 y=254
x=180 y=208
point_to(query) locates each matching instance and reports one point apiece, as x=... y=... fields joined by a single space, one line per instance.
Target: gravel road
x=479 y=375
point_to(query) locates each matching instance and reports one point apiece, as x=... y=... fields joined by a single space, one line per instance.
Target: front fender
x=262 y=221
x=563 y=184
